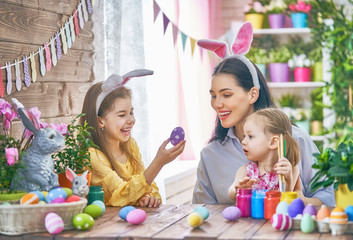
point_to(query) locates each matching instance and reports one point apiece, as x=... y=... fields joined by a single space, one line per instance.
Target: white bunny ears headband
x=115 y=81
x=239 y=48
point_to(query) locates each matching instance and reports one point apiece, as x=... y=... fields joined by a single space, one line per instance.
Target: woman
x=237 y=90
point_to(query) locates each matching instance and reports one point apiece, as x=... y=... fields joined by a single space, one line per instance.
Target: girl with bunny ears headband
x=237 y=90
x=116 y=162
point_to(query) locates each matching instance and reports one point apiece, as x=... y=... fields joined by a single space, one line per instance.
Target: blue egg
x=124 y=211
x=203 y=211
x=40 y=195
x=100 y=204
x=55 y=193
x=349 y=211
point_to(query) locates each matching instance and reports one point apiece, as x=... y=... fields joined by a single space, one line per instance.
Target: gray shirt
x=220 y=161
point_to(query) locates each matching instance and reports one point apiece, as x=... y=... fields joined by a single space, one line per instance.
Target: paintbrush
x=281 y=179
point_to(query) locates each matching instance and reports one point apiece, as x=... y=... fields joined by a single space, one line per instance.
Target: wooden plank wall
x=25 y=25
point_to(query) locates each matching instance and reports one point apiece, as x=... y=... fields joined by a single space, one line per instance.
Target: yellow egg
x=195 y=219
x=339 y=216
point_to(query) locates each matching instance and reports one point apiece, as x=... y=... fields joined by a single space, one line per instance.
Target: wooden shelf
x=295 y=84
x=281 y=31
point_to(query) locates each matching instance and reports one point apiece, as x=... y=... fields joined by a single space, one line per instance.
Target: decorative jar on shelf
x=256 y=19
x=276 y=20
x=279 y=72
x=302 y=74
x=316 y=128
x=299 y=19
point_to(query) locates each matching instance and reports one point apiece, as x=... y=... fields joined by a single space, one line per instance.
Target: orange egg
x=339 y=216
x=29 y=198
x=323 y=213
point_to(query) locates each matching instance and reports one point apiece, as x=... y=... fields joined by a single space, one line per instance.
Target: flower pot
x=316 y=127
x=256 y=19
x=276 y=20
x=317 y=72
x=64 y=182
x=279 y=72
x=11 y=196
x=302 y=74
x=305 y=125
x=262 y=68
x=344 y=197
x=299 y=20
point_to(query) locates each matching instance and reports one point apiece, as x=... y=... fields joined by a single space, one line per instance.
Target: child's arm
x=241 y=181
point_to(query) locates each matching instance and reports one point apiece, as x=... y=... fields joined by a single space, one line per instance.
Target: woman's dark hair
x=244 y=80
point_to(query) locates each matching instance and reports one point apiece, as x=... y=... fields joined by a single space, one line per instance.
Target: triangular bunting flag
x=175 y=33
x=165 y=23
x=2 y=88
x=183 y=39
x=193 y=42
x=156 y=10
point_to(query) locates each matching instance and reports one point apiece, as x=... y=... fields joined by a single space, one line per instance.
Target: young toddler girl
x=262 y=131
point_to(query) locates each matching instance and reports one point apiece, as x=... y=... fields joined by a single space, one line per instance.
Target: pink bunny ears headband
x=115 y=81
x=240 y=47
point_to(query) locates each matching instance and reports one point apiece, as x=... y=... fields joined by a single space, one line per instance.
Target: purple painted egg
x=136 y=216
x=231 y=213
x=177 y=135
x=53 y=223
x=281 y=221
x=310 y=209
x=296 y=207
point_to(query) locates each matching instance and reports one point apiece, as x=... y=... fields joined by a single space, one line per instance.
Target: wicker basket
x=20 y=219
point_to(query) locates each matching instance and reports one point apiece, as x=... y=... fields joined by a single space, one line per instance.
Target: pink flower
x=7 y=112
x=292 y=7
x=11 y=155
x=61 y=127
x=258 y=7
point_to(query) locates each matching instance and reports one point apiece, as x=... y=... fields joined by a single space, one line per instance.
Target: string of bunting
x=48 y=53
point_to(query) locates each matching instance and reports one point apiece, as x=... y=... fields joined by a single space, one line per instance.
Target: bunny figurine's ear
x=243 y=39
x=70 y=174
x=29 y=120
x=218 y=47
x=85 y=174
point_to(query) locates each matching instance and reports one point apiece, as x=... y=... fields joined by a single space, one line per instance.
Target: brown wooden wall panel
x=75 y=66
x=30 y=26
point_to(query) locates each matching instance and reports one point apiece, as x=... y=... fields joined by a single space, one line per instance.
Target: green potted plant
x=278 y=63
x=315 y=55
x=75 y=154
x=254 y=13
x=276 y=13
x=259 y=57
x=335 y=166
x=288 y=104
x=301 y=118
x=317 y=109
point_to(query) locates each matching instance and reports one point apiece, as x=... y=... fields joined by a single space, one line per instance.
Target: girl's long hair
x=241 y=73
x=89 y=109
x=276 y=122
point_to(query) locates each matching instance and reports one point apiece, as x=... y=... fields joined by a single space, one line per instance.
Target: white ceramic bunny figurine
x=79 y=183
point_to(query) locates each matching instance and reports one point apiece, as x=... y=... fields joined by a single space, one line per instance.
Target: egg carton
x=21 y=219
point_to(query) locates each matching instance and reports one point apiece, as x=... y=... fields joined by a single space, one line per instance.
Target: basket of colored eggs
x=35 y=209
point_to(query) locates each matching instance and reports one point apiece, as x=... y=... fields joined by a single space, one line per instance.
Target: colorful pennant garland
x=61 y=42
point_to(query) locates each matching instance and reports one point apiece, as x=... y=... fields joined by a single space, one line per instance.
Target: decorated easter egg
x=45 y=193
x=323 y=213
x=349 y=211
x=136 y=216
x=68 y=191
x=282 y=207
x=339 y=216
x=55 y=193
x=42 y=203
x=177 y=135
x=296 y=207
x=58 y=200
x=310 y=209
x=53 y=223
x=29 y=198
x=100 y=204
x=203 y=211
x=231 y=213
x=124 y=212
x=73 y=198
x=82 y=221
x=281 y=221
x=40 y=195
x=195 y=219
x=6 y=204
x=307 y=224
x=93 y=210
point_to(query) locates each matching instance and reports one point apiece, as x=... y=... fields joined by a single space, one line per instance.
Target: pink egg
x=136 y=216
x=73 y=198
x=281 y=221
x=177 y=135
x=58 y=200
x=54 y=223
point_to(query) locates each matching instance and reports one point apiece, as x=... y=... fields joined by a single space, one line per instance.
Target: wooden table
x=169 y=222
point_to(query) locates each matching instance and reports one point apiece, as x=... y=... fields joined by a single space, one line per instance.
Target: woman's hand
x=148 y=201
x=165 y=156
x=246 y=182
x=284 y=167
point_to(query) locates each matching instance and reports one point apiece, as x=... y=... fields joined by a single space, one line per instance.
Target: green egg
x=307 y=224
x=6 y=203
x=82 y=221
x=68 y=191
x=93 y=210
